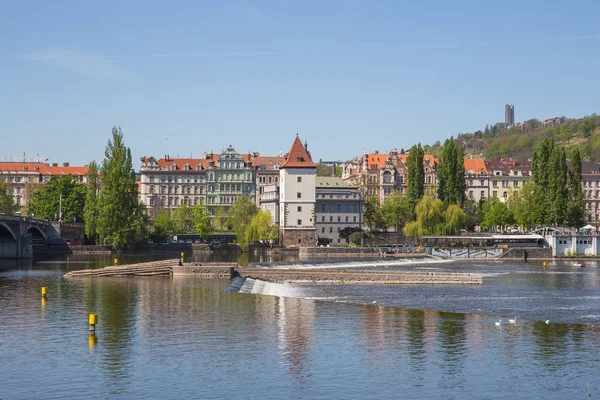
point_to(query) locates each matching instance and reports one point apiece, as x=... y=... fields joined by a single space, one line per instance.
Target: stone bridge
x=19 y=234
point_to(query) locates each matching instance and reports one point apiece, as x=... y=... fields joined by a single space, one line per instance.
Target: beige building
x=507 y=177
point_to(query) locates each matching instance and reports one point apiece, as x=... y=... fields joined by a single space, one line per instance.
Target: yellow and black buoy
x=544 y=264
x=93 y=320
x=44 y=290
x=181 y=262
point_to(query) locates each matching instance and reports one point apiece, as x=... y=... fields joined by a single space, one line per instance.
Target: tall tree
x=371 y=212
x=7 y=202
x=451 y=174
x=261 y=228
x=183 y=219
x=576 y=210
x=90 y=210
x=201 y=219
x=62 y=197
x=220 y=221
x=396 y=211
x=528 y=205
x=416 y=175
x=163 y=226
x=495 y=213
x=434 y=218
x=118 y=197
x=240 y=216
x=557 y=194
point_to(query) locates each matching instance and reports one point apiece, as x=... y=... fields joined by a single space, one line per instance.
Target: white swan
x=547 y=321
x=512 y=321
x=498 y=322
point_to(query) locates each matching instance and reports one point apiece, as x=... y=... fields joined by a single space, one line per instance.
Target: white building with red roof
x=297 y=180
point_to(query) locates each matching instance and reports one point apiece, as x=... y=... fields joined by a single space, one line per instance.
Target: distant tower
x=297 y=180
x=509 y=114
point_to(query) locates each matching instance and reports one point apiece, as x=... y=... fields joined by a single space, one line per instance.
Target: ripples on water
x=185 y=338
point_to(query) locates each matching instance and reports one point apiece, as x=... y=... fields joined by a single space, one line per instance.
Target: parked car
x=188 y=241
x=150 y=241
x=73 y=242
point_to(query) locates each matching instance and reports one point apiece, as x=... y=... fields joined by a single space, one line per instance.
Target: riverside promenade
x=291 y=275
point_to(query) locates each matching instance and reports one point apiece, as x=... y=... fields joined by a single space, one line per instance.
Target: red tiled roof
x=50 y=170
x=298 y=157
x=476 y=165
x=268 y=162
x=180 y=162
x=42 y=168
x=376 y=160
x=20 y=167
x=425 y=157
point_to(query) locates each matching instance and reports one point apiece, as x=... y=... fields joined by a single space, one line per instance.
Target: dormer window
x=25 y=168
x=186 y=167
x=198 y=167
x=299 y=159
x=173 y=167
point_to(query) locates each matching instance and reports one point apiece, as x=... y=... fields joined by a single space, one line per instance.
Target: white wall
x=288 y=197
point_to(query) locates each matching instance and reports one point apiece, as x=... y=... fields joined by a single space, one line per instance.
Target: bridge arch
x=37 y=234
x=6 y=232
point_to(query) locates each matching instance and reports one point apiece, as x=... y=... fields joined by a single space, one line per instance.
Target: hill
x=518 y=141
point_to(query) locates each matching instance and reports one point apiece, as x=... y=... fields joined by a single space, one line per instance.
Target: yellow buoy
x=93 y=320
x=116 y=261
x=544 y=264
x=44 y=290
x=182 y=257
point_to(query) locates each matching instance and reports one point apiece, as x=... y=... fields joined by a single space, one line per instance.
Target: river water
x=174 y=338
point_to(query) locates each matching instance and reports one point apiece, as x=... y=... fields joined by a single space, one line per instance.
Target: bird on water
x=512 y=321
x=498 y=322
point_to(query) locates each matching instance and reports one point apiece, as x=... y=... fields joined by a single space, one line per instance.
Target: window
x=323 y=230
x=299 y=208
x=323 y=218
x=346 y=218
x=331 y=230
x=152 y=201
x=470 y=194
x=299 y=195
x=339 y=219
x=330 y=219
x=354 y=219
x=322 y=207
x=299 y=179
x=495 y=193
x=483 y=194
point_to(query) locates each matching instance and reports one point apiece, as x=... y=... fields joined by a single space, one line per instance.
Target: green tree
x=451 y=174
x=7 y=202
x=240 y=217
x=201 y=219
x=327 y=170
x=183 y=219
x=396 y=211
x=576 y=210
x=416 y=175
x=220 y=221
x=557 y=194
x=163 y=226
x=355 y=238
x=261 y=228
x=435 y=218
x=496 y=213
x=60 y=194
x=118 y=205
x=90 y=210
x=371 y=213
x=528 y=205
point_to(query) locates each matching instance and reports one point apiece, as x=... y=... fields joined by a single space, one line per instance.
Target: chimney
x=65 y=164
x=55 y=164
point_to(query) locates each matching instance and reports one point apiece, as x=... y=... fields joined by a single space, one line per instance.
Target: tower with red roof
x=297 y=179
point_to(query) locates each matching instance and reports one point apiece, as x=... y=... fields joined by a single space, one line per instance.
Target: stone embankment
x=356 y=277
x=297 y=276
x=164 y=267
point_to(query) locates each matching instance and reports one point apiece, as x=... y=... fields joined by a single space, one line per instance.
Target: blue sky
x=185 y=77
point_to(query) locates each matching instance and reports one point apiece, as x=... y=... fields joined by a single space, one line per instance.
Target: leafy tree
x=163 y=226
x=60 y=193
x=261 y=228
x=118 y=198
x=434 y=218
x=371 y=213
x=183 y=219
x=396 y=211
x=220 y=221
x=7 y=202
x=90 y=210
x=347 y=231
x=201 y=219
x=416 y=175
x=557 y=194
x=240 y=217
x=528 y=205
x=355 y=238
x=472 y=215
x=496 y=213
x=576 y=210
x=451 y=174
